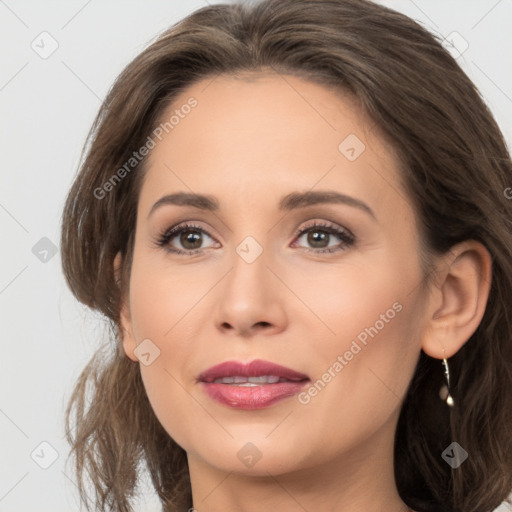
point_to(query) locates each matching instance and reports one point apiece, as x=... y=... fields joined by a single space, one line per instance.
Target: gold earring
x=444 y=392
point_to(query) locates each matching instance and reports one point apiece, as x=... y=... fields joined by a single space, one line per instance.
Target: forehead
x=263 y=133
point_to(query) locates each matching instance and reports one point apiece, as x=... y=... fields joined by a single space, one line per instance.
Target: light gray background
x=47 y=106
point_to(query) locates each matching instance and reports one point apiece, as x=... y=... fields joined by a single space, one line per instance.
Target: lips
x=255 y=385
x=256 y=368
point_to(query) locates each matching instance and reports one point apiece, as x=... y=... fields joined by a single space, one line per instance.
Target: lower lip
x=252 y=397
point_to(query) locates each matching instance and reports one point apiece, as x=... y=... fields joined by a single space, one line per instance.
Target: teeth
x=250 y=381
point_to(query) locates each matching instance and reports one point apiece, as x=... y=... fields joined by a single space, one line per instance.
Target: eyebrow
x=289 y=202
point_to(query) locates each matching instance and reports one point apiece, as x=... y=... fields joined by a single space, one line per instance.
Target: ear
x=128 y=339
x=457 y=299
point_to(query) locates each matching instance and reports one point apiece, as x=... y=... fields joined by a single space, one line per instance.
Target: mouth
x=250 y=386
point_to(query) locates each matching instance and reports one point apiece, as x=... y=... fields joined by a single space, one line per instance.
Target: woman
x=294 y=216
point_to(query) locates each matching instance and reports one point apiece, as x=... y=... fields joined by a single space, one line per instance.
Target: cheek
x=351 y=300
x=366 y=345
x=165 y=305
x=163 y=297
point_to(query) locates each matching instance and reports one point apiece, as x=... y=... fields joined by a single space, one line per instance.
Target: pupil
x=191 y=236
x=316 y=237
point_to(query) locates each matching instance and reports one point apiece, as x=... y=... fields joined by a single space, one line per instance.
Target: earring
x=444 y=392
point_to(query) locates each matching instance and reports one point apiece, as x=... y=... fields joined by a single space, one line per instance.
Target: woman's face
x=251 y=287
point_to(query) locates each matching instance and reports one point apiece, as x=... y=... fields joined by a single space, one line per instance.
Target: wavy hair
x=455 y=168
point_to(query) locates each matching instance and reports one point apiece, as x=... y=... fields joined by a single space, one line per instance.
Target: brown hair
x=455 y=168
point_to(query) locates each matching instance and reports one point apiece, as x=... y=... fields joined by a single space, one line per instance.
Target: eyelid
x=329 y=226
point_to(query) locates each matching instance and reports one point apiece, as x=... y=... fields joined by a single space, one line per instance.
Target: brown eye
x=319 y=236
x=188 y=236
x=190 y=239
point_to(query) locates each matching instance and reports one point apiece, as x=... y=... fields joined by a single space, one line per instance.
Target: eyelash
x=345 y=235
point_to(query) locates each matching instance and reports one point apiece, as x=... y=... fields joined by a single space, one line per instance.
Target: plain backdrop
x=48 y=102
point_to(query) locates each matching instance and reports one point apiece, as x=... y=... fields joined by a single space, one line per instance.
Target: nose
x=251 y=299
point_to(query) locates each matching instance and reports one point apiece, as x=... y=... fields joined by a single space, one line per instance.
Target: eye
x=319 y=236
x=190 y=237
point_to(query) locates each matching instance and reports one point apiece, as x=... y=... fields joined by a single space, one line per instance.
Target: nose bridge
x=248 y=274
x=250 y=238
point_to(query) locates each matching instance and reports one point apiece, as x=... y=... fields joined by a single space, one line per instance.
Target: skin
x=250 y=141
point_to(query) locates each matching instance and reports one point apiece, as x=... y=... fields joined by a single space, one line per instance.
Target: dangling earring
x=444 y=392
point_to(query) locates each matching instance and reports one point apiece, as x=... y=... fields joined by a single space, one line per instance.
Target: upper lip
x=255 y=368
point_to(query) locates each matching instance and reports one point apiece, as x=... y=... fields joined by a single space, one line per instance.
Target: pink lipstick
x=255 y=385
